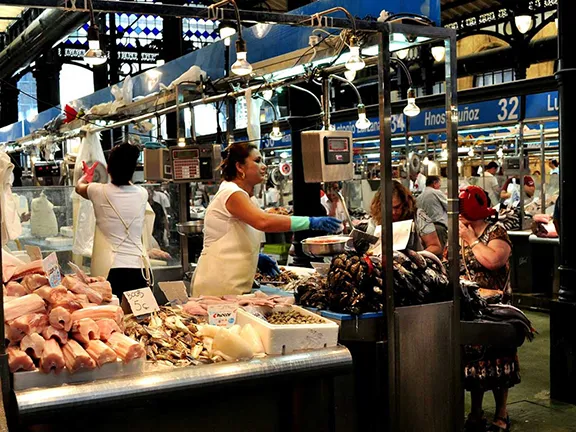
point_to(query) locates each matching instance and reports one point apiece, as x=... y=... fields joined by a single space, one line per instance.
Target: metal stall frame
x=449 y=312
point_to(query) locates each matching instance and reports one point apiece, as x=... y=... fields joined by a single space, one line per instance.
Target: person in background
x=272 y=194
x=485 y=259
x=417 y=182
x=330 y=200
x=490 y=182
x=554 y=167
x=119 y=207
x=161 y=227
x=423 y=236
x=234 y=224
x=510 y=193
x=435 y=203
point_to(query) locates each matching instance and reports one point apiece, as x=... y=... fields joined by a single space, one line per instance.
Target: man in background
x=435 y=204
x=490 y=184
x=554 y=166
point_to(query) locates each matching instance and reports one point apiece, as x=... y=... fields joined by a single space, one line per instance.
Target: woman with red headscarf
x=484 y=258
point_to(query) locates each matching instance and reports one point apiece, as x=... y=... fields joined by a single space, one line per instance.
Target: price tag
x=52 y=269
x=175 y=292
x=139 y=302
x=34 y=253
x=222 y=315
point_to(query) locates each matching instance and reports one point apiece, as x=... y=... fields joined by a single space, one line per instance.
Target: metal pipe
x=385 y=114
x=542 y=169
x=326 y=102
x=453 y=227
x=233 y=3
x=344 y=80
x=305 y=90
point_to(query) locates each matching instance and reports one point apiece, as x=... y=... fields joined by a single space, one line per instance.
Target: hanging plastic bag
x=85 y=221
x=253 y=114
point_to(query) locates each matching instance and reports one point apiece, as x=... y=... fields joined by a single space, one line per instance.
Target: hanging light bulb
x=500 y=153
x=362 y=122
x=402 y=54
x=355 y=62
x=181 y=142
x=227 y=29
x=411 y=109
x=471 y=152
x=438 y=52
x=444 y=154
x=425 y=161
x=350 y=75
x=523 y=23
x=268 y=94
x=275 y=135
x=94 y=56
x=459 y=163
x=241 y=67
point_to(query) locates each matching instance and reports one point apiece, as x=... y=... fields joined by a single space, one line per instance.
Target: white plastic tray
x=284 y=339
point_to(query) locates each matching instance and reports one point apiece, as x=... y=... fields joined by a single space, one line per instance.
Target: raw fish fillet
x=27 y=269
x=19 y=360
x=12 y=334
x=99 y=312
x=60 y=318
x=107 y=326
x=23 y=305
x=33 y=345
x=51 y=294
x=34 y=281
x=194 y=308
x=30 y=323
x=127 y=349
x=76 y=357
x=15 y=289
x=93 y=295
x=85 y=330
x=9 y=299
x=54 y=333
x=100 y=352
x=9 y=265
x=82 y=299
x=104 y=288
x=52 y=357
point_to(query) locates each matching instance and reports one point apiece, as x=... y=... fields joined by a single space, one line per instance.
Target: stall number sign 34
x=141 y=301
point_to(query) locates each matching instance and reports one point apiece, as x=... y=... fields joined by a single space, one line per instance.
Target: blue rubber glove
x=328 y=224
x=268 y=265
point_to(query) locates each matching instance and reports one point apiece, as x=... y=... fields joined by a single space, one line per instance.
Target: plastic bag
x=253 y=114
x=85 y=222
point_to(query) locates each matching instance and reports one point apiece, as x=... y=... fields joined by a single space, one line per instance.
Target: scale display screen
x=337 y=144
x=186 y=154
x=336 y=150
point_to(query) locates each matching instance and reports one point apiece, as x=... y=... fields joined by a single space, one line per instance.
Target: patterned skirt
x=490 y=368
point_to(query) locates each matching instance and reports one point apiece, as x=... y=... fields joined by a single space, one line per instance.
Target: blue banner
x=397 y=125
x=503 y=110
x=542 y=105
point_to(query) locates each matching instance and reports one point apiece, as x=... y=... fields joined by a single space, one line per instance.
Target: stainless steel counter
x=544 y=240
x=157 y=381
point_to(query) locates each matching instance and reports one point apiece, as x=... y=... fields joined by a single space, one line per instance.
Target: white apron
x=228 y=265
x=104 y=250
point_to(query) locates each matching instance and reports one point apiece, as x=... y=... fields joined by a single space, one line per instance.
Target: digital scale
x=514 y=165
x=327 y=156
x=47 y=173
x=196 y=163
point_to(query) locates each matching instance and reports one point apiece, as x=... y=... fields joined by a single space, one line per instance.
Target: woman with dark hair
x=120 y=207
x=233 y=226
x=484 y=259
x=423 y=235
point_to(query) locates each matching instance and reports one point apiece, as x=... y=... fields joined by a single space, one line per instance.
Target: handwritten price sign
x=52 y=269
x=140 y=301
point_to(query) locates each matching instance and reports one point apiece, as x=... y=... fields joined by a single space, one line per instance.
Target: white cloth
x=490 y=185
x=43 y=221
x=11 y=226
x=130 y=202
x=162 y=199
x=229 y=258
x=419 y=185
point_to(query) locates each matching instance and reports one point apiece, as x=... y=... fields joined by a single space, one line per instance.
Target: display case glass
x=47 y=215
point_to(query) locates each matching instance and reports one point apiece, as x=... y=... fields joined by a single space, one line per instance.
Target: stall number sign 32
x=141 y=301
x=509 y=109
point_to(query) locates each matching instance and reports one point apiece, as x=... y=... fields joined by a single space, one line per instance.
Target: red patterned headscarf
x=474 y=204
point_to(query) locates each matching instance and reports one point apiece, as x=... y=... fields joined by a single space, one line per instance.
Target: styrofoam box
x=284 y=339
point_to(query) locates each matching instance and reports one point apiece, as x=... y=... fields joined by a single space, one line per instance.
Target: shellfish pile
x=355 y=283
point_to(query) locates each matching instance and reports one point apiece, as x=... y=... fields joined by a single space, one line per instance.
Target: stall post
x=563 y=311
x=542 y=169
